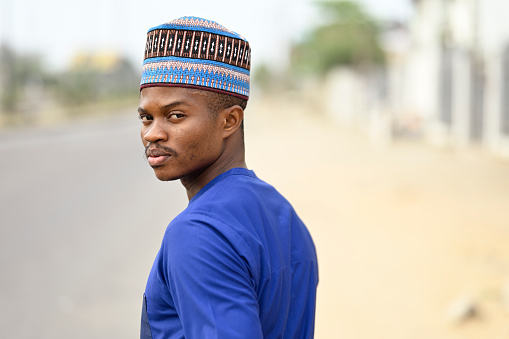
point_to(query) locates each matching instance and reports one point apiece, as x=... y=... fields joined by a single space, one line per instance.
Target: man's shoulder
x=213 y=220
x=234 y=188
x=237 y=204
x=213 y=208
x=230 y=205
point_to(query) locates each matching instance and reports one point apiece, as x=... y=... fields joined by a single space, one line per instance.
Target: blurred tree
x=349 y=36
x=262 y=76
x=76 y=88
x=16 y=71
x=268 y=79
x=28 y=89
x=96 y=77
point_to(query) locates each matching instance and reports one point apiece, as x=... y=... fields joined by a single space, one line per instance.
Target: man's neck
x=195 y=184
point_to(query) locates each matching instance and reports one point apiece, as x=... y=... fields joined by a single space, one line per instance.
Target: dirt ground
x=412 y=240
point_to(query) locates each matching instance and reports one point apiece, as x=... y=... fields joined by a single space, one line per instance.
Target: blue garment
x=236 y=263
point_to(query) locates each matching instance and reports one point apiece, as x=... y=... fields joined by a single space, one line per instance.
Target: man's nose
x=155 y=132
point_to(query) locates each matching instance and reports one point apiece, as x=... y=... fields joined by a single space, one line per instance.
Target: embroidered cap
x=197 y=53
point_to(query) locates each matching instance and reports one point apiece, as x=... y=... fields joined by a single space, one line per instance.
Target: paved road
x=81 y=219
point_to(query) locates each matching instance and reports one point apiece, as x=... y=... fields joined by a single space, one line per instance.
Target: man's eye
x=145 y=118
x=176 y=116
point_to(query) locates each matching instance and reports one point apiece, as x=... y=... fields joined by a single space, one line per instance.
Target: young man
x=237 y=262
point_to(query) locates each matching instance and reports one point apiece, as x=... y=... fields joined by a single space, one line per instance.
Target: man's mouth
x=157 y=160
x=156 y=156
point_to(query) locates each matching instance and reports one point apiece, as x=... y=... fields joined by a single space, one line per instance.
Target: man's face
x=180 y=135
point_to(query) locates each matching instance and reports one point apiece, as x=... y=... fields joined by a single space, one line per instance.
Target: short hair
x=220 y=101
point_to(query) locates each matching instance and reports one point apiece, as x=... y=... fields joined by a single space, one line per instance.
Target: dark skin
x=184 y=140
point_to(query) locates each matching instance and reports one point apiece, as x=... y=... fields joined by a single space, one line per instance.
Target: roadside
x=412 y=240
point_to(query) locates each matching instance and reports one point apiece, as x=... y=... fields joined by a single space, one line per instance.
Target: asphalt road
x=81 y=219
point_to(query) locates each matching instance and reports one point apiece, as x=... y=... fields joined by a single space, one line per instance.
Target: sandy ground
x=407 y=236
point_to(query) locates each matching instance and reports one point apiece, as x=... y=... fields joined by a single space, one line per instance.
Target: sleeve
x=210 y=282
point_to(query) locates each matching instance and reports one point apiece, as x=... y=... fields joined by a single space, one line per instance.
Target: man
x=237 y=262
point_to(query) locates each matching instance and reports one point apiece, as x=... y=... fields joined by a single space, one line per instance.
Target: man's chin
x=165 y=176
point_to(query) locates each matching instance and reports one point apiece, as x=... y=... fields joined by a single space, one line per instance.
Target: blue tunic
x=236 y=263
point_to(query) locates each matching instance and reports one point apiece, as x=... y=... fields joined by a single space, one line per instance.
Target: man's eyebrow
x=174 y=104
x=165 y=107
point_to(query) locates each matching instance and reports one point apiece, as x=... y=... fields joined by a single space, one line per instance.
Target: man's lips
x=156 y=153
x=157 y=160
x=156 y=157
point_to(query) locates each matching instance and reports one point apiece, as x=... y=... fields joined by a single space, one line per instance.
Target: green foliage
x=86 y=84
x=268 y=79
x=349 y=36
x=262 y=76
x=26 y=86
x=16 y=71
x=76 y=88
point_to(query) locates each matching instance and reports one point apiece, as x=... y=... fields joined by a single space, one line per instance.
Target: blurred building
x=452 y=74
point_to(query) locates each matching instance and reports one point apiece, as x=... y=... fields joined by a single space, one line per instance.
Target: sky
x=58 y=29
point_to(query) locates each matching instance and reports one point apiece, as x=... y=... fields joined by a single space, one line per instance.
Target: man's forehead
x=163 y=95
x=172 y=91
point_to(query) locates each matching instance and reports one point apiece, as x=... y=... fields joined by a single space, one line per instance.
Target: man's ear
x=232 y=119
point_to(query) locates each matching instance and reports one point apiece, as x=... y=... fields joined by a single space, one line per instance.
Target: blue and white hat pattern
x=197 y=53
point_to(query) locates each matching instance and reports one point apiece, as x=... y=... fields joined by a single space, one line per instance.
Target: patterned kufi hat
x=197 y=53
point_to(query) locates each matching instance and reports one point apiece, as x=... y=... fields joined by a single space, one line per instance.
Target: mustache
x=151 y=147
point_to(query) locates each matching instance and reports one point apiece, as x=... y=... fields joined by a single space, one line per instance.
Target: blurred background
x=384 y=122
